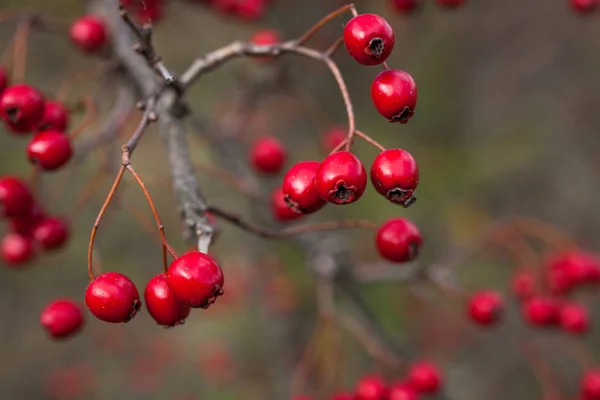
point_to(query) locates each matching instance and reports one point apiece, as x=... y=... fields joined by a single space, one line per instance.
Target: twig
x=90 y=116
x=316 y=27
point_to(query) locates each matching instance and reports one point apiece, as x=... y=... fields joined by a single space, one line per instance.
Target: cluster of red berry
x=423 y=379
x=584 y=6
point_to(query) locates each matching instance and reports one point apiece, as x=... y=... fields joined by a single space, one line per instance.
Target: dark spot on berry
x=375 y=47
x=403 y=116
x=292 y=204
x=413 y=250
x=12 y=114
x=401 y=196
x=343 y=193
x=135 y=307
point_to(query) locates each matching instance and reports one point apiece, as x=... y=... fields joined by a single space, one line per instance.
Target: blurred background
x=505 y=127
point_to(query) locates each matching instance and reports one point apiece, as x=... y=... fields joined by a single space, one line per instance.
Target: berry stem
x=339 y=146
x=20 y=50
x=367 y=139
x=90 y=116
x=541 y=369
x=551 y=235
x=333 y=48
x=62 y=94
x=321 y=23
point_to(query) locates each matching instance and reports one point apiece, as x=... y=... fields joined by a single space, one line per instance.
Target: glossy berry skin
x=398 y=240
x=16 y=250
x=590 y=385
x=268 y=155
x=162 y=304
x=341 y=178
x=523 y=285
x=195 y=279
x=369 y=39
x=405 y=6
x=89 y=34
x=50 y=150
x=541 y=311
x=113 y=297
x=402 y=391
x=21 y=108
x=394 y=94
x=280 y=209
x=449 y=3
x=265 y=37
x=371 y=387
x=16 y=199
x=56 y=117
x=51 y=233
x=584 y=6
x=486 y=307
x=574 y=318
x=425 y=377
x=333 y=138
x=62 y=318
x=395 y=175
x=569 y=269
x=300 y=189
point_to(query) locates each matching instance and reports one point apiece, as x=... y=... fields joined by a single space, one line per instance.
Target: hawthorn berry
x=88 y=33
x=195 y=279
x=369 y=39
x=16 y=199
x=341 y=178
x=395 y=175
x=398 y=240
x=523 y=284
x=51 y=233
x=268 y=155
x=449 y=3
x=574 y=318
x=371 y=387
x=56 y=117
x=300 y=189
x=425 y=377
x=113 y=297
x=485 y=307
x=394 y=94
x=3 y=79
x=280 y=209
x=24 y=224
x=265 y=37
x=540 y=311
x=402 y=391
x=62 y=318
x=251 y=9
x=16 y=249
x=21 y=108
x=590 y=385
x=162 y=304
x=572 y=268
x=333 y=138
x=50 y=150
x=584 y=6
x=405 y=6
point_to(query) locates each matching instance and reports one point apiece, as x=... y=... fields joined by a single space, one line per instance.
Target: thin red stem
x=367 y=139
x=20 y=50
x=323 y=21
x=333 y=48
x=90 y=116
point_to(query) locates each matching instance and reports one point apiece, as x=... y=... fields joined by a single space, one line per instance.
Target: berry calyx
x=369 y=39
x=51 y=233
x=584 y=6
x=405 y=6
x=394 y=94
x=523 y=285
x=300 y=189
x=341 y=178
x=162 y=304
x=280 y=209
x=196 y=279
x=574 y=318
x=395 y=175
x=56 y=117
x=16 y=249
x=402 y=391
x=50 y=150
x=398 y=240
x=62 y=318
x=113 y=297
x=88 y=33
x=16 y=199
x=486 y=307
x=21 y=108
x=268 y=155
x=425 y=377
x=541 y=311
x=371 y=387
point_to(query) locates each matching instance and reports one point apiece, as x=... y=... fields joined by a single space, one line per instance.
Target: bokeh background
x=506 y=126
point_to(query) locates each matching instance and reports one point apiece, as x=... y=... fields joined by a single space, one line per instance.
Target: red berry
x=24 y=224
x=56 y=117
x=112 y=297
x=280 y=209
x=62 y=318
x=398 y=240
x=485 y=307
x=402 y=391
x=584 y=6
x=450 y=3
x=268 y=155
x=251 y=9
x=369 y=39
x=50 y=150
x=333 y=138
x=540 y=311
x=371 y=387
x=16 y=250
x=394 y=94
x=16 y=200
x=341 y=178
x=154 y=13
x=425 y=377
x=21 y=108
x=572 y=268
x=395 y=175
x=162 y=304
x=590 y=385
x=3 y=79
x=574 y=318
x=300 y=189
x=405 y=6
x=89 y=33
x=265 y=37
x=523 y=284
x=196 y=279
x=51 y=233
